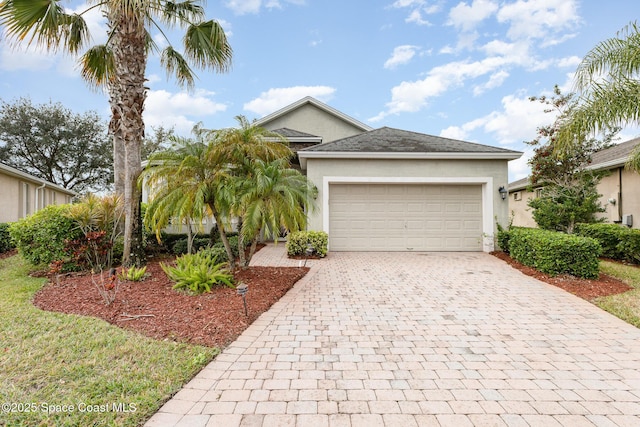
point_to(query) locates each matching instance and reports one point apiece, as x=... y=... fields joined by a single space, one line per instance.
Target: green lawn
x=625 y=306
x=49 y=360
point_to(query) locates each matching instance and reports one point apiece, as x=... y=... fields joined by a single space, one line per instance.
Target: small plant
x=107 y=286
x=133 y=274
x=5 y=238
x=298 y=242
x=198 y=272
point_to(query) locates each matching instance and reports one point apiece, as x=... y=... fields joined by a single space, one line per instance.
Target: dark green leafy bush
x=608 y=235
x=41 y=237
x=555 y=253
x=503 y=238
x=5 y=238
x=617 y=242
x=298 y=242
x=180 y=246
x=629 y=245
x=198 y=272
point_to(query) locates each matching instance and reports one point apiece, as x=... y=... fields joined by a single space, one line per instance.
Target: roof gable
x=310 y=101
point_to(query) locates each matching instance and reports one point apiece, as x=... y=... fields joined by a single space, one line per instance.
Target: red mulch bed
x=212 y=319
x=584 y=288
x=7 y=254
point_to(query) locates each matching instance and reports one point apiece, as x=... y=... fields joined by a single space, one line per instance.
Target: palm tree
x=249 y=142
x=274 y=196
x=120 y=65
x=607 y=79
x=187 y=182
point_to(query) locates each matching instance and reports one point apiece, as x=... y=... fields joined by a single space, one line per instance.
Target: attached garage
x=394 y=190
x=405 y=217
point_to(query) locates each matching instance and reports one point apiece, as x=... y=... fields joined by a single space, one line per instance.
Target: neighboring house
x=394 y=190
x=22 y=194
x=619 y=189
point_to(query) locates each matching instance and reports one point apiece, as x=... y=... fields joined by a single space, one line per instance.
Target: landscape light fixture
x=242 y=290
x=308 y=252
x=503 y=192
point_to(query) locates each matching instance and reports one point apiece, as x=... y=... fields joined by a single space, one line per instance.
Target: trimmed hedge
x=617 y=242
x=41 y=237
x=555 y=253
x=298 y=241
x=5 y=238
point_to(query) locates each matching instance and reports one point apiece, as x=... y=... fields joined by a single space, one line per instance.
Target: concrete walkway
x=418 y=339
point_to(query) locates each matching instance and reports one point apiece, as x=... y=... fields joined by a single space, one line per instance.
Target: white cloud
x=243 y=7
x=401 y=55
x=538 y=19
x=494 y=81
x=25 y=58
x=467 y=17
x=418 y=8
x=180 y=110
x=570 y=62
x=519 y=168
x=274 y=99
x=412 y=96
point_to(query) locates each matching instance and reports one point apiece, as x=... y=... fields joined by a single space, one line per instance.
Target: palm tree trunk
x=118 y=149
x=252 y=250
x=129 y=94
x=223 y=236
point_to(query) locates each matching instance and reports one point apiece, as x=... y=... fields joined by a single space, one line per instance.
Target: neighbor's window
x=517 y=196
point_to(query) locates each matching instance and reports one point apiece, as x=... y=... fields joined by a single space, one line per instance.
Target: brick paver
x=418 y=339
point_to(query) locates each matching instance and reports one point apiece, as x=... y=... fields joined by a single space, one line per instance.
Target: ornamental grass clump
x=199 y=272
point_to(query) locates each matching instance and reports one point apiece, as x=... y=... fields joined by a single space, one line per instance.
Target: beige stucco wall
x=609 y=188
x=493 y=171
x=315 y=121
x=629 y=203
x=12 y=206
x=519 y=211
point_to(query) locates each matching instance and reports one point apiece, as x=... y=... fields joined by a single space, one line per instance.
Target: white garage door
x=405 y=217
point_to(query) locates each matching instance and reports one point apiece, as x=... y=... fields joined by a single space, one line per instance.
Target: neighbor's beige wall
x=315 y=121
x=519 y=209
x=609 y=187
x=318 y=168
x=11 y=197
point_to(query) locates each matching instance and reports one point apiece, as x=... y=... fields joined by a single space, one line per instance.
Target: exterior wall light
x=503 y=192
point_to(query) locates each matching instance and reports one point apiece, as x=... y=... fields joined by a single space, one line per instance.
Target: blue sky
x=463 y=70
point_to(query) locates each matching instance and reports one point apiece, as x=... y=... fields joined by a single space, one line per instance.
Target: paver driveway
x=418 y=339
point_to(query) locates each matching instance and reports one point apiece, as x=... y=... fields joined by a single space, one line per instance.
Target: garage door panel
x=401 y=217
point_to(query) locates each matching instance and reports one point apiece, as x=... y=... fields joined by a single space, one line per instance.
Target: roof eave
x=19 y=174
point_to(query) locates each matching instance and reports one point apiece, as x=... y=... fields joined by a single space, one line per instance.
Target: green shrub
x=298 y=242
x=40 y=237
x=617 y=242
x=133 y=274
x=629 y=245
x=198 y=272
x=608 y=235
x=555 y=253
x=180 y=246
x=5 y=238
x=503 y=238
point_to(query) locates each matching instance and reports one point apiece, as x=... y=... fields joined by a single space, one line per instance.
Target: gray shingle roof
x=611 y=157
x=614 y=156
x=390 y=140
x=292 y=133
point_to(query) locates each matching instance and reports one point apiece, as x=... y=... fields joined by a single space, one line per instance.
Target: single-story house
x=619 y=189
x=22 y=194
x=394 y=190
